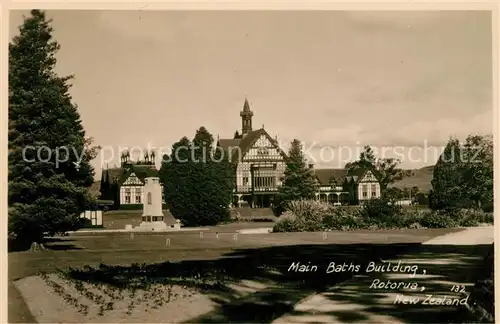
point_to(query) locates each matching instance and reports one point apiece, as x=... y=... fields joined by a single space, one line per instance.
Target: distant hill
x=421 y=178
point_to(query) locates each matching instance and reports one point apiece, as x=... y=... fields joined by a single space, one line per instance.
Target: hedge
x=312 y=215
x=136 y=207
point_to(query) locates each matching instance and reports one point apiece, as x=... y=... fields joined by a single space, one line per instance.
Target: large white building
x=261 y=164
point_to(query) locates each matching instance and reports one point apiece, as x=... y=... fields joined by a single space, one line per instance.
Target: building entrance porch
x=336 y=198
x=257 y=200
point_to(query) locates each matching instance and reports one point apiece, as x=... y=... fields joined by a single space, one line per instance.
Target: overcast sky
x=327 y=77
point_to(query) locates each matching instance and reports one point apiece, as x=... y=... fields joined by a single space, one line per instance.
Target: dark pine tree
x=198 y=182
x=174 y=175
x=447 y=180
x=105 y=187
x=298 y=180
x=47 y=191
x=478 y=171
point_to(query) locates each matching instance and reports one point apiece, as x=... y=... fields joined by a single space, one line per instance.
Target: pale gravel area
x=47 y=306
x=470 y=236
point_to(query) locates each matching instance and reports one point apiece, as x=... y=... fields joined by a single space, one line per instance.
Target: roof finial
x=262 y=126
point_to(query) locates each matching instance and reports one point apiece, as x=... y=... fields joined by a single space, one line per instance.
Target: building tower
x=246 y=119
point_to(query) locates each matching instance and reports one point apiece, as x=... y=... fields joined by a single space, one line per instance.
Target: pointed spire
x=246 y=118
x=246 y=105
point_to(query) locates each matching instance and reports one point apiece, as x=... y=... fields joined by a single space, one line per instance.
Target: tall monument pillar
x=152 y=215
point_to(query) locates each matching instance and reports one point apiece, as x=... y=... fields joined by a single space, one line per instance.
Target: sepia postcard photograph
x=251 y=166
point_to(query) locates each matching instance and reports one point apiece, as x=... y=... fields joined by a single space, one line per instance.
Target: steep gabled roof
x=248 y=140
x=357 y=174
x=324 y=176
x=142 y=172
x=226 y=144
x=244 y=144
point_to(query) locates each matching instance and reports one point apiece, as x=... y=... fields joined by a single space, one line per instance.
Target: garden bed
x=55 y=298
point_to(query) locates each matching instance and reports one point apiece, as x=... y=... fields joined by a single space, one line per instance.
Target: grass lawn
x=117 y=219
x=279 y=249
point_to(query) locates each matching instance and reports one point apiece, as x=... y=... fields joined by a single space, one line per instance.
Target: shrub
x=381 y=212
x=303 y=215
x=467 y=217
x=473 y=217
x=257 y=219
x=415 y=226
x=87 y=223
x=287 y=223
x=437 y=219
x=278 y=206
x=340 y=218
x=409 y=219
x=309 y=213
x=486 y=218
x=488 y=207
x=235 y=216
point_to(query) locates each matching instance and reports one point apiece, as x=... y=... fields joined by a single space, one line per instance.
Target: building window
x=127 y=195
x=365 y=191
x=262 y=151
x=374 y=190
x=245 y=181
x=138 y=196
x=150 y=202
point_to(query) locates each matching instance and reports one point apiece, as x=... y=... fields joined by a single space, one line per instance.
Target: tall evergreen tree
x=298 y=180
x=463 y=175
x=48 y=183
x=197 y=182
x=447 y=181
x=173 y=173
x=105 y=187
x=202 y=145
x=478 y=170
x=366 y=160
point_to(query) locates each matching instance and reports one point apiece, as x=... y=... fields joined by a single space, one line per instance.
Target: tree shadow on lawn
x=444 y=265
x=267 y=265
x=50 y=243
x=271 y=264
